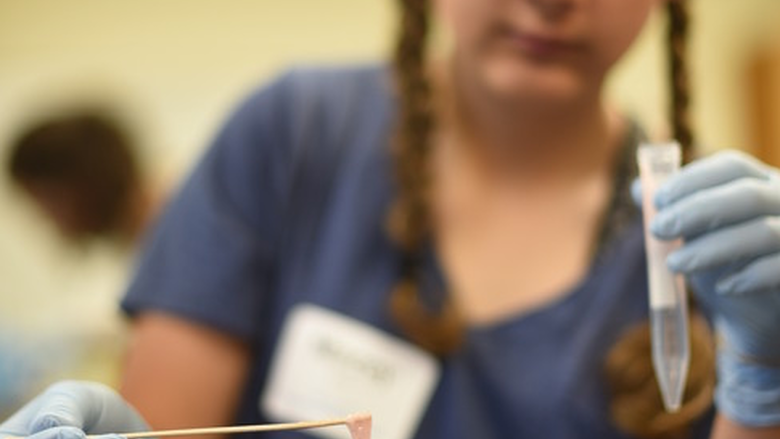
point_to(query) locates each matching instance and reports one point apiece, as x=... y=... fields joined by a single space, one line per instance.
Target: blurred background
x=170 y=71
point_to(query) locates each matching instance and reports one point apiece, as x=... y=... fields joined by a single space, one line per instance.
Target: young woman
x=476 y=206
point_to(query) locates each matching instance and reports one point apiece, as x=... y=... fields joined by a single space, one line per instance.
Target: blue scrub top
x=289 y=205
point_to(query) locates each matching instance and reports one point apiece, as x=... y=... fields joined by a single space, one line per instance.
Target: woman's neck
x=514 y=138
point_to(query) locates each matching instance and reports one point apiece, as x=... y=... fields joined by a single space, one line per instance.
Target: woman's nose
x=553 y=9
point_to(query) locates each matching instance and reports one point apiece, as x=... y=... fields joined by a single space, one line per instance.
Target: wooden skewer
x=230 y=430
x=359 y=427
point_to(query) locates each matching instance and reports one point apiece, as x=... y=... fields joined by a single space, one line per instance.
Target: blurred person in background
x=452 y=245
x=81 y=169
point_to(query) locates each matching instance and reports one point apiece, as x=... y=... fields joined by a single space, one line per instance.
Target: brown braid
x=677 y=35
x=439 y=331
x=635 y=403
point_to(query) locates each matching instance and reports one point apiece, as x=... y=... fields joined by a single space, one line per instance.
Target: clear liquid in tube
x=671 y=353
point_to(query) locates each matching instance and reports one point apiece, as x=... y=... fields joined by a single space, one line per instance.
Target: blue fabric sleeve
x=209 y=257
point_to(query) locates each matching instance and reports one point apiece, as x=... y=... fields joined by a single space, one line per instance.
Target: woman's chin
x=535 y=88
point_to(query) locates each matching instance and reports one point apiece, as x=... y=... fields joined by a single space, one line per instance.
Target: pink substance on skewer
x=359 y=425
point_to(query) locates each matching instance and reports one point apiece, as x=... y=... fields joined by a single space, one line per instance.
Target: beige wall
x=176 y=65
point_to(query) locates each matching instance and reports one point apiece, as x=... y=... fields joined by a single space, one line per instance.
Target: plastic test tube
x=668 y=301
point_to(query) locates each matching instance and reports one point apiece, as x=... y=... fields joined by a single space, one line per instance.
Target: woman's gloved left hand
x=727 y=210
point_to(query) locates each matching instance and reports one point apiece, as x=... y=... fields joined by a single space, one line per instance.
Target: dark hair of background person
x=88 y=158
x=635 y=404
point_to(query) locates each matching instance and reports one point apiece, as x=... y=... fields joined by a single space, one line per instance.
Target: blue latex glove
x=727 y=209
x=71 y=409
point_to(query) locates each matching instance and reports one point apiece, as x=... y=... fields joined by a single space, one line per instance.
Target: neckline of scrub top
x=550 y=310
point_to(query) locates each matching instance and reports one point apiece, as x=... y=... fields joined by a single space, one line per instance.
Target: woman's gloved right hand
x=72 y=409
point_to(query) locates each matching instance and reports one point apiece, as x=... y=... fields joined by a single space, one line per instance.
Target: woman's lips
x=540 y=46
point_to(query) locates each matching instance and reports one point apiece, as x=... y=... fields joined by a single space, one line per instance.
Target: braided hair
x=437 y=330
x=677 y=35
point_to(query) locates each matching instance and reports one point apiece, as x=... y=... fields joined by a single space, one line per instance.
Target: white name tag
x=329 y=365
